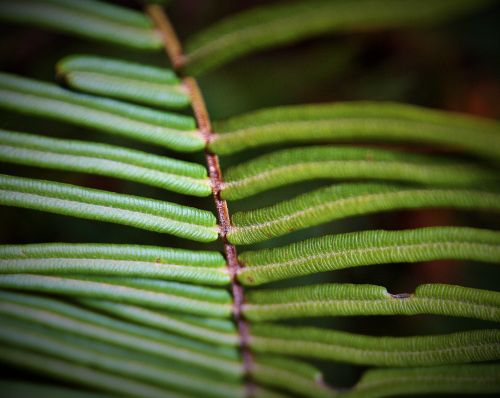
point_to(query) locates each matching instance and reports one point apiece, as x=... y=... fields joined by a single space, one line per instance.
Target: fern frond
x=317 y=343
x=117 y=67
x=290 y=375
x=94 y=204
x=207 y=294
x=261 y=392
x=349 y=299
x=85 y=288
x=87 y=316
x=53 y=344
x=334 y=252
x=201 y=267
x=358 y=121
x=107 y=160
x=273 y=25
x=82 y=375
x=327 y=162
x=144 y=321
x=90 y=19
x=379 y=383
x=123 y=80
x=132 y=121
x=458 y=379
x=69 y=266
x=345 y=200
x=132 y=111
x=28 y=389
x=204 y=329
x=66 y=318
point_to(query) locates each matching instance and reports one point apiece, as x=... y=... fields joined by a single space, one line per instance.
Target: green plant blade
x=74 y=312
x=69 y=266
x=82 y=375
x=123 y=80
x=161 y=95
x=358 y=121
x=54 y=344
x=189 y=327
x=334 y=252
x=279 y=24
x=349 y=300
x=106 y=11
x=93 y=204
x=109 y=116
x=322 y=162
x=206 y=294
x=120 y=108
x=22 y=389
x=85 y=288
x=107 y=160
x=154 y=254
x=290 y=375
x=345 y=200
x=317 y=343
x=117 y=67
x=458 y=379
x=92 y=19
x=72 y=320
x=201 y=267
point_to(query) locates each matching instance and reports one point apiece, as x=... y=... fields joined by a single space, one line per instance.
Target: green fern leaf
x=123 y=80
x=318 y=343
x=360 y=121
x=41 y=99
x=94 y=204
x=323 y=162
x=349 y=299
x=89 y=18
x=334 y=252
x=344 y=200
x=107 y=160
x=273 y=25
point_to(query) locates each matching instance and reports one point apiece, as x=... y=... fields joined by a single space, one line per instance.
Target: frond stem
x=175 y=52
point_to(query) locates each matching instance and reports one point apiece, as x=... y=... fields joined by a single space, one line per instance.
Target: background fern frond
x=89 y=18
x=273 y=25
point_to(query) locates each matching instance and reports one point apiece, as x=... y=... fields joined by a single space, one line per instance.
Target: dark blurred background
x=454 y=66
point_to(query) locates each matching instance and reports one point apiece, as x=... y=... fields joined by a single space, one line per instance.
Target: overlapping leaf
x=124 y=80
x=107 y=160
x=36 y=98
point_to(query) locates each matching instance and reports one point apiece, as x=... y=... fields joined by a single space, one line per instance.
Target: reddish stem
x=177 y=57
